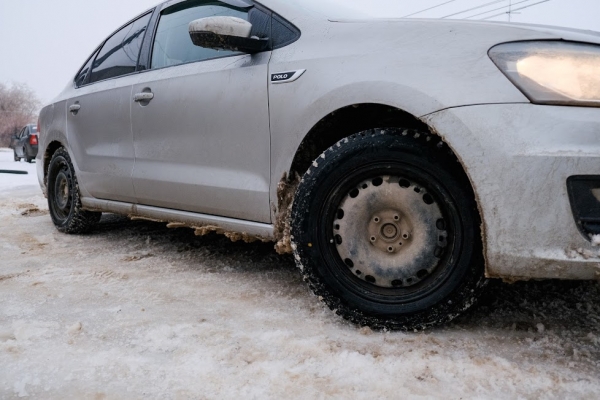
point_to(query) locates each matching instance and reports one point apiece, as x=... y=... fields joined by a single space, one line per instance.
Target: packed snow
x=8 y=181
x=135 y=310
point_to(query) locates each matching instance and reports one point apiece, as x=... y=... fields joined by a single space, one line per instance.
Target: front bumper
x=519 y=158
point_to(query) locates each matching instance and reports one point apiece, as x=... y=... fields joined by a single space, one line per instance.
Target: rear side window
x=120 y=52
x=172 y=43
x=82 y=75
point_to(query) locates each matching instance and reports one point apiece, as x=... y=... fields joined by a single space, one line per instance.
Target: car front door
x=99 y=115
x=202 y=141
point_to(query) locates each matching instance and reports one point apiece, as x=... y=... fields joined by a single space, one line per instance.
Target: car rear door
x=99 y=116
x=202 y=143
x=18 y=143
x=25 y=141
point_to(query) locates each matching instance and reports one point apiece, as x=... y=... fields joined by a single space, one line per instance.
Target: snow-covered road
x=8 y=181
x=135 y=310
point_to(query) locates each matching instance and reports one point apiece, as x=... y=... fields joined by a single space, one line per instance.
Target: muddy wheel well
x=50 y=150
x=334 y=127
x=345 y=122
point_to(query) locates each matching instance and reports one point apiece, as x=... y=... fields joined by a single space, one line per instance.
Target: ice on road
x=134 y=310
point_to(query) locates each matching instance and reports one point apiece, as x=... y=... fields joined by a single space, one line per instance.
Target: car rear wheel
x=386 y=230
x=63 y=197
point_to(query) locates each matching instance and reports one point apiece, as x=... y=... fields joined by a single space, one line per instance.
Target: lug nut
x=390 y=249
x=373 y=239
x=376 y=220
x=406 y=236
x=396 y=218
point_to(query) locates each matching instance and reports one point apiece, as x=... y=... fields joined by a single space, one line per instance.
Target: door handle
x=143 y=97
x=74 y=108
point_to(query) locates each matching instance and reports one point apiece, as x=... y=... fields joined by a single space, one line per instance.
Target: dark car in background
x=25 y=143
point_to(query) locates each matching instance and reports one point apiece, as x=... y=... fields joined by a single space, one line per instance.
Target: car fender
x=53 y=125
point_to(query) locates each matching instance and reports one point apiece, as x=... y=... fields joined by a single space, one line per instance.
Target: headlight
x=552 y=72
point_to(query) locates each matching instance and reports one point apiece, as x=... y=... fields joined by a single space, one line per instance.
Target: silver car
x=402 y=162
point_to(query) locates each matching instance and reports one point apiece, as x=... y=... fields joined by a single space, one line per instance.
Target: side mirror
x=226 y=33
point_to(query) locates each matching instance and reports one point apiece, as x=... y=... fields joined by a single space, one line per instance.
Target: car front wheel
x=63 y=197
x=386 y=230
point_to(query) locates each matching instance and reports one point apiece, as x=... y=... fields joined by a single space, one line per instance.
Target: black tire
x=63 y=197
x=29 y=159
x=404 y=163
x=17 y=159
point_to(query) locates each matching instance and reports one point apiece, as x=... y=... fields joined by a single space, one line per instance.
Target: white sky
x=44 y=42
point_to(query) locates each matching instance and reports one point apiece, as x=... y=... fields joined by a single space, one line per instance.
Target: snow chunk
x=595 y=240
x=20 y=389
x=75 y=328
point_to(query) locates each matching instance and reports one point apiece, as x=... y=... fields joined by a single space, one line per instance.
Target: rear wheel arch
x=50 y=150
x=64 y=199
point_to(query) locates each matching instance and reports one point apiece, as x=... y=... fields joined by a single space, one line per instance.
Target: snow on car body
x=216 y=142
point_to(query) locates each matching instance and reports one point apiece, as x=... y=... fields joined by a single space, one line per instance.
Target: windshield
x=33 y=129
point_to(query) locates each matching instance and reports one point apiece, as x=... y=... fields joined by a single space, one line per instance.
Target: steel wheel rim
x=61 y=193
x=336 y=267
x=390 y=232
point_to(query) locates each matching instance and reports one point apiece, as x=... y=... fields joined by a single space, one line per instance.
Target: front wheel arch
x=50 y=150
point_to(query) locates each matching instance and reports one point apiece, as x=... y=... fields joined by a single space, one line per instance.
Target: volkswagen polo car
x=402 y=161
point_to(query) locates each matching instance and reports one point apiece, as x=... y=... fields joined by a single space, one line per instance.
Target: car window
x=120 y=52
x=33 y=129
x=172 y=42
x=81 y=78
x=283 y=33
x=22 y=133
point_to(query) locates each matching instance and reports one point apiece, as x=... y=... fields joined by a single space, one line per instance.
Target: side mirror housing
x=226 y=33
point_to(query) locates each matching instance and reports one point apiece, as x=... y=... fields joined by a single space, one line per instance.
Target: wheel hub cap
x=61 y=191
x=390 y=232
